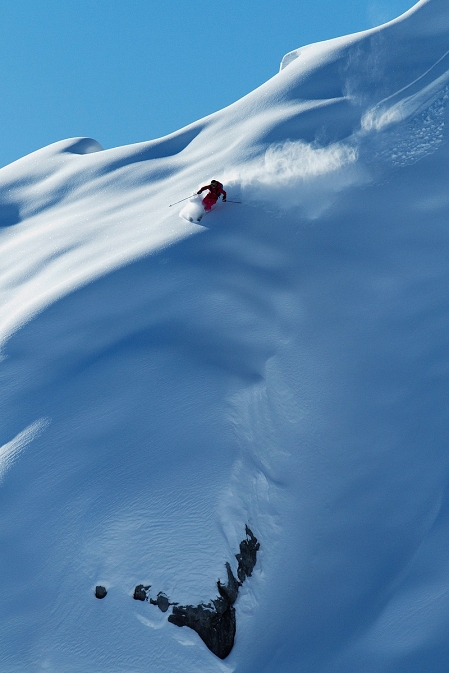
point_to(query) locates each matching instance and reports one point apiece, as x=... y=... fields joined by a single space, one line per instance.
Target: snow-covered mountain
x=283 y=367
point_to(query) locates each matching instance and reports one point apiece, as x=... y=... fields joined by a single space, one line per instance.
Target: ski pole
x=176 y=202
x=229 y=201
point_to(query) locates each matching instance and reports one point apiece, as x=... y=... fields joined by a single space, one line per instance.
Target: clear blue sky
x=123 y=71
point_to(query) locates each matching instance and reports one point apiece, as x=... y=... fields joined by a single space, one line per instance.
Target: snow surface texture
x=283 y=366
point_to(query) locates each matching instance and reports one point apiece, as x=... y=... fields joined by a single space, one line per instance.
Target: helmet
x=215 y=182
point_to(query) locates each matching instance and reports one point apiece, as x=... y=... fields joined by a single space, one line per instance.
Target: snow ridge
x=10 y=451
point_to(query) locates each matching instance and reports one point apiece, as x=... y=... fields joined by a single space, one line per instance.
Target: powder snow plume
x=301 y=176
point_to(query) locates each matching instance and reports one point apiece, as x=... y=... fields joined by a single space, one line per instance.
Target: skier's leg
x=209 y=201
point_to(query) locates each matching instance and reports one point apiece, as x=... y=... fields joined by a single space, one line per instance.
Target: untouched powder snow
x=285 y=366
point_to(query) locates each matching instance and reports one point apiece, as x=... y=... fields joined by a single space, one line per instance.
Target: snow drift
x=285 y=367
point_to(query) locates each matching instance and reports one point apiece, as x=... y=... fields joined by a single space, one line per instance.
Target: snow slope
x=283 y=366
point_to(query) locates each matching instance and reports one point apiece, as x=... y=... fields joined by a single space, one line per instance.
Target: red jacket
x=216 y=190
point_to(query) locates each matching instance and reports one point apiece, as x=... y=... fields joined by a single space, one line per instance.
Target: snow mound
x=82 y=146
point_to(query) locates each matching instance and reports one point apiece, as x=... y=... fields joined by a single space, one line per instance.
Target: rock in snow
x=215 y=622
x=141 y=592
x=285 y=365
x=100 y=592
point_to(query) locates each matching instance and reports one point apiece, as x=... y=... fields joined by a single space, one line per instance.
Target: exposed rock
x=140 y=592
x=161 y=602
x=248 y=555
x=216 y=629
x=100 y=592
x=230 y=590
x=213 y=622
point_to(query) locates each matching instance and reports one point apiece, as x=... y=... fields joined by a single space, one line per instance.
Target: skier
x=215 y=189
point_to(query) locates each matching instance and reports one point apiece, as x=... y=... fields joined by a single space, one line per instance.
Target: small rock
x=161 y=601
x=100 y=592
x=140 y=592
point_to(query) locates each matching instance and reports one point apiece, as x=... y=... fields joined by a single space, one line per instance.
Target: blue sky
x=124 y=72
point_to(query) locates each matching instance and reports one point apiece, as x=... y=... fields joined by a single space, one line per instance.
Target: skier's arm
x=223 y=193
x=203 y=188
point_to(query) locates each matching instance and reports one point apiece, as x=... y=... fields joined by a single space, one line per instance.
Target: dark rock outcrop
x=216 y=629
x=161 y=601
x=215 y=622
x=140 y=592
x=229 y=591
x=100 y=592
x=248 y=556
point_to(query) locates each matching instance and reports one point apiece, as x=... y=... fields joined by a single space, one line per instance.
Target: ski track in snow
x=282 y=365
